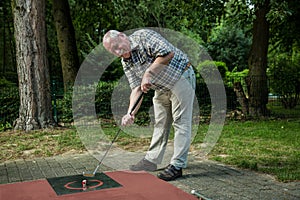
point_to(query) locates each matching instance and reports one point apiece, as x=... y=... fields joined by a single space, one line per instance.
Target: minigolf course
x=125 y=185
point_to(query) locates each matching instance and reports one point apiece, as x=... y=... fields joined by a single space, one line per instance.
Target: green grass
x=126 y=141
x=19 y=144
x=271 y=147
x=277 y=109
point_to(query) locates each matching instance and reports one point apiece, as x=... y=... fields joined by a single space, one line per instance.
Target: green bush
x=104 y=91
x=102 y=102
x=64 y=108
x=103 y=98
x=236 y=76
x=228 y=43
x=284 y=73
x=9 y=103
x=202 y=92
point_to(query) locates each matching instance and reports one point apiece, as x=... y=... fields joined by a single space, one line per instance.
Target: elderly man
x=151 y=62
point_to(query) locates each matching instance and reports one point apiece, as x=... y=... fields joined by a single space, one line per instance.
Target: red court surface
x=135 y=186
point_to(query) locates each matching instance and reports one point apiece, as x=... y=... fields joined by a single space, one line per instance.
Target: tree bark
x=257 y=78
x=241 y=97
x=32 y=67
x=66 y=41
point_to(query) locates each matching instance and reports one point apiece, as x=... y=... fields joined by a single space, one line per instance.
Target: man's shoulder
x=143 y=32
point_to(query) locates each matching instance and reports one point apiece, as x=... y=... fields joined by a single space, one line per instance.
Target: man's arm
x=155 y=68
x=128 y=119
x=159 y=63
x=135 y=93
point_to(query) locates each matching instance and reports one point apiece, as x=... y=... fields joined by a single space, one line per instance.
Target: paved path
x=212 y=179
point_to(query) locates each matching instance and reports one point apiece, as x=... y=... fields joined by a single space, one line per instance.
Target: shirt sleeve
x=156 y=45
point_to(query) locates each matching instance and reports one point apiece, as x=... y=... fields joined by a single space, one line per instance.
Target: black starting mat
x=79 y=183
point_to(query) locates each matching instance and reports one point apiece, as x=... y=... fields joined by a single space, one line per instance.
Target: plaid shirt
x=146 y=46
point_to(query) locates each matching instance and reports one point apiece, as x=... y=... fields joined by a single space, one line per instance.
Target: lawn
x=270 y=146
x=45 y=143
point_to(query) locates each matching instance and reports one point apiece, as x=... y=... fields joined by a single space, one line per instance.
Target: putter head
x=88 y=174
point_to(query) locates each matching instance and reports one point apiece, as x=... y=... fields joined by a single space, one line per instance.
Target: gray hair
x=110 y=35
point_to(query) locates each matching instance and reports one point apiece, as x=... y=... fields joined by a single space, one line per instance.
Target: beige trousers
x=175 y=108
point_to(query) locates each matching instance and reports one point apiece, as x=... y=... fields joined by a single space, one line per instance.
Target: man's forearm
x=159 y=64
x=135 y=93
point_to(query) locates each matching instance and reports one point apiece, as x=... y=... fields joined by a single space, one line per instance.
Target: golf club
x=112 y=142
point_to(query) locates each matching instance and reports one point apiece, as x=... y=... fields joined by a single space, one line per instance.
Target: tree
x=197 y=16
x=91 y=19
x=257 y=61
x=32 y=67
x=66 y=41
x=275 y=26
x=284 y=26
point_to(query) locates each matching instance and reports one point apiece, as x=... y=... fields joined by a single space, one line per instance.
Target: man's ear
x=122 y=35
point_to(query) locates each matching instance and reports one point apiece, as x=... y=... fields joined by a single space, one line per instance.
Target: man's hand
x=146 y=82
x=127 y=120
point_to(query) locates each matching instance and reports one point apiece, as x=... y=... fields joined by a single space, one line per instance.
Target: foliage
x=224 y=26
x=199 y=17
x=237 y=10
x=222 y=67
x=64 y=108
x=5 y=126
x=208 y=71
x=9 y=101
x=7 y=43
x=6 y=84
x=284 y=73
x=236 y=76
x=284 y=25
x=208 y=66
x=229 y=44
x=114 y=70
x=103 y=101
x=91 y=19
x=103 y=98
x=103 y=94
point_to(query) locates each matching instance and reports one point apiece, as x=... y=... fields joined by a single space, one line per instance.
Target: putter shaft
x=107 y=151
x=114 y=139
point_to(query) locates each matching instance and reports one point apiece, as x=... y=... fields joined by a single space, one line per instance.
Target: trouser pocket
x=190 y=76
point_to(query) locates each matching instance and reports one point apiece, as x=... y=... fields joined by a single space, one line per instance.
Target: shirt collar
x=134 y=46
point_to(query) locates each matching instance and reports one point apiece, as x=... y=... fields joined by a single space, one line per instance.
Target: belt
x=187 y=66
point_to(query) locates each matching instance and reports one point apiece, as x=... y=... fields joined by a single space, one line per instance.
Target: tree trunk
x=257 y=78
x=241 y=97
x=32 y=67
x=66 y=41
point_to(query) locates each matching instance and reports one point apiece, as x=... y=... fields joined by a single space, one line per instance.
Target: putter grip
x=137 y=102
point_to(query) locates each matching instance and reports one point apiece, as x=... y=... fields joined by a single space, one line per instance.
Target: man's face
x=119 y=46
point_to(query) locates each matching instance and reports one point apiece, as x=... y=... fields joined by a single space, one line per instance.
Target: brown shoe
x=143 y=165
